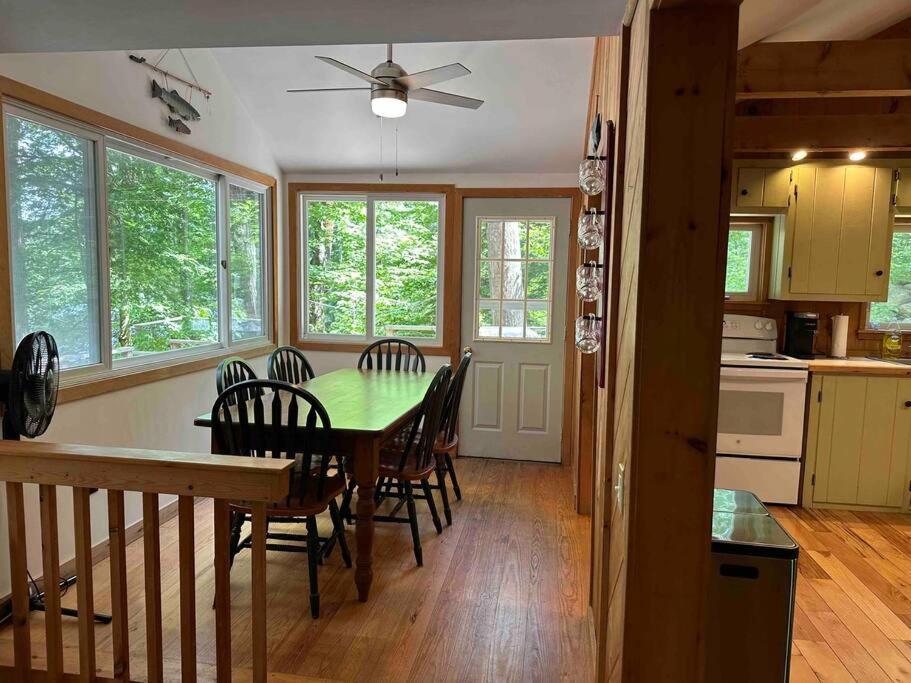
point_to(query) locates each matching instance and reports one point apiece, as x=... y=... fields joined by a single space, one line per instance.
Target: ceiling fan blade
x=351 y=70
x=438 y=97
x=422 y=79
x=322 y=89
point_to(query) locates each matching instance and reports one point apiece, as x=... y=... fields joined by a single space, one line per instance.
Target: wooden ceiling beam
x=823 y=132
x=849 y=68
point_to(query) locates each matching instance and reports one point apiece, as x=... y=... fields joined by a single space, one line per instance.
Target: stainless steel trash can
x=751 y=594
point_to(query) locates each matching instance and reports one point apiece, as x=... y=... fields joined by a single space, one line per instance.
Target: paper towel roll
x=839 y=347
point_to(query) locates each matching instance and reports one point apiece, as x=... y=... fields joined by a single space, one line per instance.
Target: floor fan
x=28 y=393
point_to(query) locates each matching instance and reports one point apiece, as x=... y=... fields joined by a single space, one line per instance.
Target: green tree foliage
x=740 y=243
x=406 y=267
x=897 y=309
x=50 y=175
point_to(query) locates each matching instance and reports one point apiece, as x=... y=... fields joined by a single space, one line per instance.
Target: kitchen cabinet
x=858 y=442
x=903 y=190
x=835 y=243
x=761 y=188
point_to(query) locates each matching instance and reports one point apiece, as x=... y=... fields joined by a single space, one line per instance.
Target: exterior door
x=514 y=318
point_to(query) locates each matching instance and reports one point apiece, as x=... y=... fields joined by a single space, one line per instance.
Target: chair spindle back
x=392 y=354
x=288 y=364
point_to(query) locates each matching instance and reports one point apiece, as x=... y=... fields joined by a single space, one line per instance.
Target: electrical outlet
x=618 y=486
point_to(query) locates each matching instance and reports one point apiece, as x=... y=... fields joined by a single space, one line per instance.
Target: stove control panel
x=748 y=327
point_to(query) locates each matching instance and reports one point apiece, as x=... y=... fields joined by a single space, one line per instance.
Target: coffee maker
x=799 y=334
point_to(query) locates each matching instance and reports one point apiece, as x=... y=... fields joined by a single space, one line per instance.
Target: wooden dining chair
x=404 y=463
x=289 y=365
x=447 y=442
x=299 y=429
x=392 y=354
x=232 y=371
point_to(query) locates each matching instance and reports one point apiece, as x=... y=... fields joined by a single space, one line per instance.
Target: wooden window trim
x=765 y=258
x=30 y=96
x=452 y=263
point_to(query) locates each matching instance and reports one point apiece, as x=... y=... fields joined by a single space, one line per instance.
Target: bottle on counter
x=892 y=342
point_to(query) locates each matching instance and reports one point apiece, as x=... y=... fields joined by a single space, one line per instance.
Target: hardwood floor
x=852 y=620
x=502 y=596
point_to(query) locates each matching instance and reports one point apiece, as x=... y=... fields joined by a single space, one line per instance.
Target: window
x=113 y=241
x=513 y=279
x=744 y=262
x=896 y=310
x=371 y=266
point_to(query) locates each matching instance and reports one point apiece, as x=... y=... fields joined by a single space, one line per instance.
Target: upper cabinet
x=903 y=191
x=761 y=188
x=835 y=242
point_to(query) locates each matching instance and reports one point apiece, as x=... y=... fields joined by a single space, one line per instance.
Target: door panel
x=514 y=319
x=824 y=229
x=854 y=250
x=847 y=437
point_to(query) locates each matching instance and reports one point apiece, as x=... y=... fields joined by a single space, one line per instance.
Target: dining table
x=365 y=408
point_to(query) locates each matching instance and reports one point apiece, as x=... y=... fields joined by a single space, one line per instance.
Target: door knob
x=907 y=404
x=879 y=273
x=744 y=192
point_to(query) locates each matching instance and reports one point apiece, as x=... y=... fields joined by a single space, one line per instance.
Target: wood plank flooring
x=852 y=621
x=502 y=596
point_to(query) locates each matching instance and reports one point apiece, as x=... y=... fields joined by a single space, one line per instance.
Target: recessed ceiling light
x=858 y=155
x=799 y=155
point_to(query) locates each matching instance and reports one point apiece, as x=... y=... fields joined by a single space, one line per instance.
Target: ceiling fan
x=391 y=86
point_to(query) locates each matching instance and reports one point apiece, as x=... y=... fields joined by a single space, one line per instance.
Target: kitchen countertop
x=858 y=365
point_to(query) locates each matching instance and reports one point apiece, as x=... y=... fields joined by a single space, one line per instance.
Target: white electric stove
x=760 y=412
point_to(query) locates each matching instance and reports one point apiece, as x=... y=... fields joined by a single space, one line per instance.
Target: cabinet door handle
x=744 y=192
x=878 y=273
x=907 y=404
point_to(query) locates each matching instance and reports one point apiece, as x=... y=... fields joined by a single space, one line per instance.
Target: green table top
x=367 y=401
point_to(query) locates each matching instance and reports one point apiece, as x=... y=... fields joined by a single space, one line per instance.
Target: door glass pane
x=519 y=281
x=491 y=240
x=514 y=280
x=245 y=208
x=540 y=236
x=539 y=280
x=513 y=319
x=759 y=413
x=537 y=320
x=407 y=249
x=336 y=266
x=53 y=231
x=163 y=256
x=490 y=279
x=514 y=237
x=489 y=319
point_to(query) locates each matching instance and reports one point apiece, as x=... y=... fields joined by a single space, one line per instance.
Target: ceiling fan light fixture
x=388 y=103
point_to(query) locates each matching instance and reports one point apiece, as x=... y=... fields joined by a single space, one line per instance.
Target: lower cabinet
x=858 y=441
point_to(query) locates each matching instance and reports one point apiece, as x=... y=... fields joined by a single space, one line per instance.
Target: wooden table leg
x=366 y=470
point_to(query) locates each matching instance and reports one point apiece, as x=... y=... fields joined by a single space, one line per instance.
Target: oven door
x=760 y=412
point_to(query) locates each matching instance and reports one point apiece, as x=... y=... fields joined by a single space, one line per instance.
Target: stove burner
x=766 y=356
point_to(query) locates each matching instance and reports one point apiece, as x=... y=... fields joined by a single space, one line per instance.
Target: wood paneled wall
x=658 y=417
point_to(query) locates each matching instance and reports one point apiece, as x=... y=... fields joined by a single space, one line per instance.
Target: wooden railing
x=255 y=482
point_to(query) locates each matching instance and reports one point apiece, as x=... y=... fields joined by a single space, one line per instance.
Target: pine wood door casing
x=859 y=442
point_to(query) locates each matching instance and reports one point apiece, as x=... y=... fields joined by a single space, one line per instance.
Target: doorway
x=514 y=262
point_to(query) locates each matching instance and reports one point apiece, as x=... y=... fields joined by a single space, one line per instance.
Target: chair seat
x=389 y=466
x=294 y=506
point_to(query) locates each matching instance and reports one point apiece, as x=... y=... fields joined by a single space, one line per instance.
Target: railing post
x=152 y=562
x=84 y=598
x=120 y=628
x=22 y=644
x=222 y=531
x=50 y=556
x=187 y=551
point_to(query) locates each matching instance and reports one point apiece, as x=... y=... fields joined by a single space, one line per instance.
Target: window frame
x=902 y=224
x=104 y=139
x=478 y=260
x=303 y=197
x=758 y=229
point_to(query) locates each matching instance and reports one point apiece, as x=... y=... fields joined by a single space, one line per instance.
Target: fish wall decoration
x=175 y=102
x=179 y=125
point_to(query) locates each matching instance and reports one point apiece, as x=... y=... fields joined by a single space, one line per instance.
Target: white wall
x=160 y=414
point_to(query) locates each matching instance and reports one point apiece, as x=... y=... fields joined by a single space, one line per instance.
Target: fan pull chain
x=381 y=148
x=396 y=151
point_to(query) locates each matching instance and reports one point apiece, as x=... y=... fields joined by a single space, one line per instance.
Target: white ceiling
x=82 y=25
x=535 y=94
